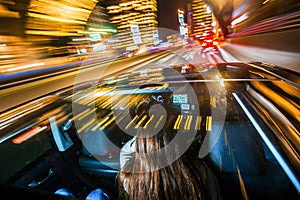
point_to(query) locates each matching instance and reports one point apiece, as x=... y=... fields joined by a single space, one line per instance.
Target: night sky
x=167 y=13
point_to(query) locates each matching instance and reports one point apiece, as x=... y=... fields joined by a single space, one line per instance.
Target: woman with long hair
x=146 y=174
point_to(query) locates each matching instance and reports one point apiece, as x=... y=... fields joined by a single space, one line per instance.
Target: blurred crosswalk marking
x=107 y=123
x=213 y=102
x=165 y=58
x=188 y=56
x=208 y=123
x=149 y=121
x=188 y=122
x=131 y=122
x=103 y=101
x=123 y=101
x=177 y=123
x=198 y=123
x=218 y=58
x=63 y=118
x=101 y=95
x=140 y=122
x=85 y=125
x=86 y=114
x=174 y=61
x=106 y=103
x=102 y=122
x=84 y=96
x=96 y=101
x=100 y=101
x=87 y=100
x=71 y=96
x=118 y=119
x=80 y=114
x=210 y=59
x=158 y=122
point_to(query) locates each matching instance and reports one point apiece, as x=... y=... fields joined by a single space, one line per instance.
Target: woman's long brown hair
x=182 y=179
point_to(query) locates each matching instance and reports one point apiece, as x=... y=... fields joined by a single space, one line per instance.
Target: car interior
x=70 y=142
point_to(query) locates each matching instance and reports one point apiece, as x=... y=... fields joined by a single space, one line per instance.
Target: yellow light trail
x=188 y=122
x=198 y=123
x=177 y=123
x=158 y=122
x=208 y=123
x=131 y=122
x=149 y=121
x=80 y=114
x=85 y=125
x=107 y=123
x=140 y=122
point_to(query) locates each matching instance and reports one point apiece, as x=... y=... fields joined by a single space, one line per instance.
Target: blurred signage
x=131 y=48
x=182 y=27
x=155 y=37
x=137 y=39
x=183 y=30
x=136 y=35
x=95 y=37
x=181 y=19
x=134 y=29
x=99 y=47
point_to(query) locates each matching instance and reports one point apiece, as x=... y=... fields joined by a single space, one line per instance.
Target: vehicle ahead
x=210 y=42
x=241 y=119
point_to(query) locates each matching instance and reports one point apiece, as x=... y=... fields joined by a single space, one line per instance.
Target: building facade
x=202 y=19
x=135 y=21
